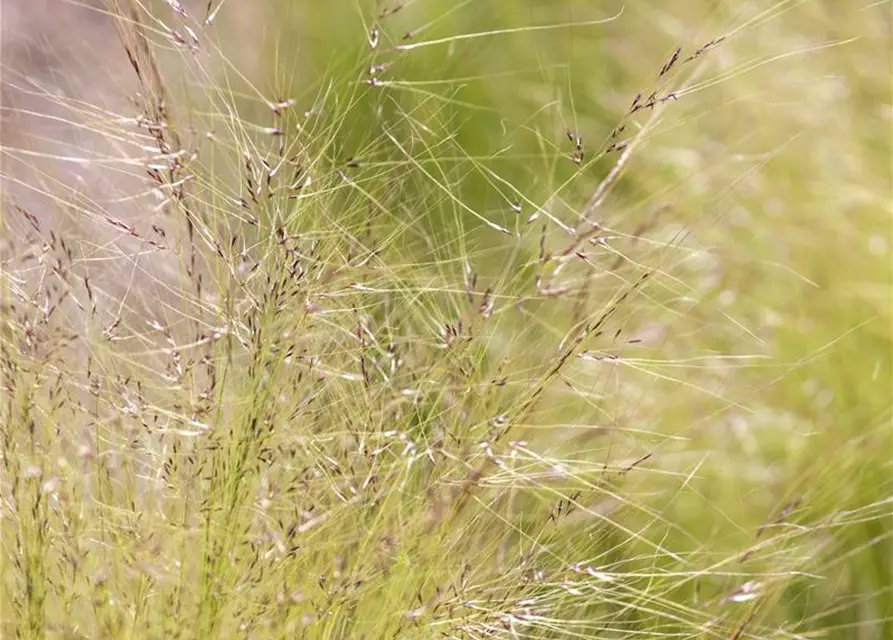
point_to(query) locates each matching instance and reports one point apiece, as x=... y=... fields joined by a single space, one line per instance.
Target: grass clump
x=452 y=322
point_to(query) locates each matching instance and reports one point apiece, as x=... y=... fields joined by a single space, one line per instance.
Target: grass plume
x=431 y=320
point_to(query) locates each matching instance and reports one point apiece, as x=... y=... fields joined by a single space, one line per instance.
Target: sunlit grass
x=553 y=321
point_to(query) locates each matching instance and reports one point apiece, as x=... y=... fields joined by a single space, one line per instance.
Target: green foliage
x=548 y=320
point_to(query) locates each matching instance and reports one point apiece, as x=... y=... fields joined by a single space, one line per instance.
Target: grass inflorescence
x=437 y=319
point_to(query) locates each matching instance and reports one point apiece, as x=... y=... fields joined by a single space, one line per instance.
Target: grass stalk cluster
x=451 y=319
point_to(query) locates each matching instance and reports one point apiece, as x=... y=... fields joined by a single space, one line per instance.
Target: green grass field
x=452 y=320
